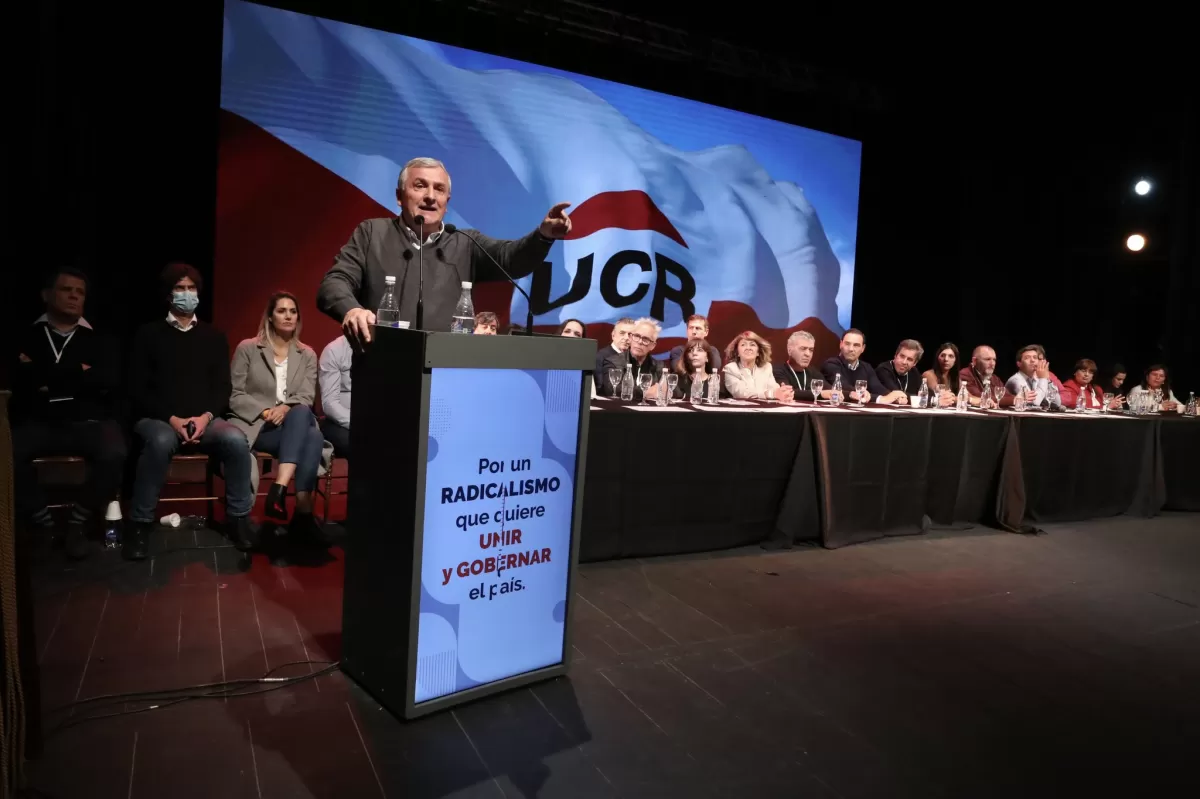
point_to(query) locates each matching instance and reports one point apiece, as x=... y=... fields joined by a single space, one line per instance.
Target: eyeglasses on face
x=640 y=339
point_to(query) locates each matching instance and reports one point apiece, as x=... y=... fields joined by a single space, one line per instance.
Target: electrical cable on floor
x=229 y=689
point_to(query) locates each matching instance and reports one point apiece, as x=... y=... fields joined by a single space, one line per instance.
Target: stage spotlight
x=1142 y=187
x=1136 y=242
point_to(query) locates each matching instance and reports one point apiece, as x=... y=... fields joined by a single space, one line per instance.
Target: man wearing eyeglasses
x=642 y=339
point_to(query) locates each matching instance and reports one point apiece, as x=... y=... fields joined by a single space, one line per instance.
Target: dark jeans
x=99 y=443
x=298 y=440
x=338 y=436
x=160 y=443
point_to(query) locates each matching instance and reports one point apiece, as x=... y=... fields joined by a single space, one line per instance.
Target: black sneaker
x=136 y=543
x=75 y=543
x=241 y=533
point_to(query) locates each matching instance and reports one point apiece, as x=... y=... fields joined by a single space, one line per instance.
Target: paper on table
x=900 y=409
x=655 y=408
x=788 y=409
x=729 y=409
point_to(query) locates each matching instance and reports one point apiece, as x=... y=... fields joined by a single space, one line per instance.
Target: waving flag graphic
x=661 y=227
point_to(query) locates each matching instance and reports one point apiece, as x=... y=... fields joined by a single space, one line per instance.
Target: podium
x=465 y=495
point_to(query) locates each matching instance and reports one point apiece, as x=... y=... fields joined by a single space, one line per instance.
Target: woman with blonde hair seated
x=274 y=380
x=748 y=372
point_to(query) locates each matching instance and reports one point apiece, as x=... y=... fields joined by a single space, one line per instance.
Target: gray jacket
x=252 y=373
x=382 y=247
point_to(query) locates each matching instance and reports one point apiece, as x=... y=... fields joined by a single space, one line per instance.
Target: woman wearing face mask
x=274 y=380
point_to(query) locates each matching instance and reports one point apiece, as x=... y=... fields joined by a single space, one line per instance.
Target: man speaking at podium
x=353 y=287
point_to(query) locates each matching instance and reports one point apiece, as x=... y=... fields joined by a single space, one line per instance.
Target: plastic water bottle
x=964 y=398
x=112 y=525
x=664 y=392
x=464 y=312
x=714 y=389
x=923 y=395
x=697 y=392
x=1190 y=408
x=1079 y=402
x=627 y=383
x=835 y=391
x=388 y=314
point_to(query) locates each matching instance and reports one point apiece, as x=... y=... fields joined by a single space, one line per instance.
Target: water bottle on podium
x=388 y=314
x=464 y=312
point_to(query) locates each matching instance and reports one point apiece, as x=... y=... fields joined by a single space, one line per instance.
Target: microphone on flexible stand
x=451 y=229
x=420 y=220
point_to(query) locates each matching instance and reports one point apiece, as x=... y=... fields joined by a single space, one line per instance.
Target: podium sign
x=492 y=481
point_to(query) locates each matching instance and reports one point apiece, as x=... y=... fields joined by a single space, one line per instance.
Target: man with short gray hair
x=638 y=357
x=796 y=371
x=395 y=247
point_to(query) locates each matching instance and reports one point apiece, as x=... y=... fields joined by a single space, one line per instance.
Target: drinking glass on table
x=1019 y=401
x=645 y=380
x=1105 y=401
x=614 y=380
x=860 y=390
x=817 y=386
x=942 y=390
x=672 y=381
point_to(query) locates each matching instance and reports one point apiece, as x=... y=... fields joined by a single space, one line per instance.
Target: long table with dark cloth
x=685 y=479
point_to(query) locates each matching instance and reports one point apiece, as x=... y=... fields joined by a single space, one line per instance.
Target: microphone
x=451 y=229
x=420 y=220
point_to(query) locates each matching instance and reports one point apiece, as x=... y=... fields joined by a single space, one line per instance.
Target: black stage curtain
x=1179 y=445
x=1076 y=469
x=689 y=481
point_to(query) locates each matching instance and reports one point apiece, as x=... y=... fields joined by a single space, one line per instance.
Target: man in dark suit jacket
x=620 y=343
x=796 y=371
x=353 y=287
x=849 y=365
x=63 y=404
x=638 y=357
x=697 y=328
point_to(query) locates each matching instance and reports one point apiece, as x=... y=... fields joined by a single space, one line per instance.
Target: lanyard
x=58 y=352
x=804 y=385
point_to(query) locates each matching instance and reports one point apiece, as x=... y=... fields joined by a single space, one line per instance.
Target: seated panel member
x=693 y=365
x=1156 y=377
x=63 y=403
x=1033 y=379
x=697 y=328
x=485 y=323
x=642 y=338
x=179 y=388
x=849 y=365
x=273 y=379
x=573 y=328
x=944 y=373
x=982 y=372
x=620 y=343
x=747 y=370
x=1083 y=382
x=334 y=379
x=797 y=371
x=900 y=373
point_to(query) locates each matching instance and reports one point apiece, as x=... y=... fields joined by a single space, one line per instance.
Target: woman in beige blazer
x=274 y=380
